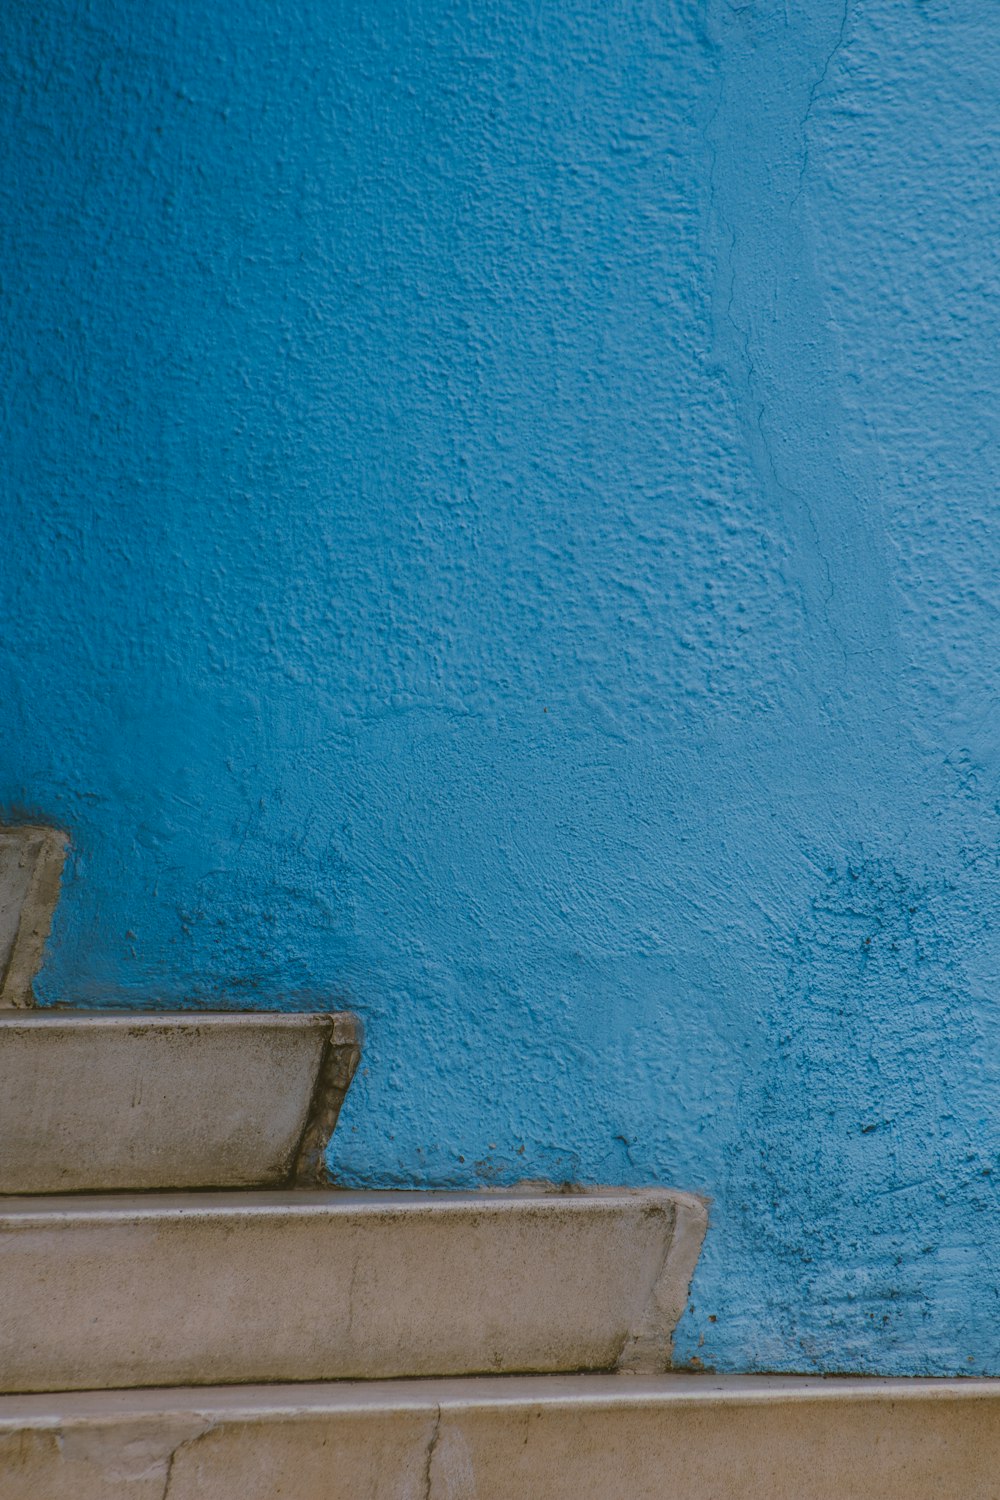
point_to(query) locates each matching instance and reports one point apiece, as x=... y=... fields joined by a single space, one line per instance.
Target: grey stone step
x=583 y=1437
x=215 y=1288
x=95 y=1101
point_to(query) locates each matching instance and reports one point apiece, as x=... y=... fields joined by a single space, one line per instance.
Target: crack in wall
x=168 y=1476
x=813 y=95
x=426 y=1490
x=187 y=1444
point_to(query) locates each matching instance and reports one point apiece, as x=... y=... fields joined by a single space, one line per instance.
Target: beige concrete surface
x=584 y=1437
x=93 y=1101
x=211 y=1288
x=31 y=861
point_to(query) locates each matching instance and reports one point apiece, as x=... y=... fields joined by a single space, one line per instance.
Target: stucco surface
x=499 y=532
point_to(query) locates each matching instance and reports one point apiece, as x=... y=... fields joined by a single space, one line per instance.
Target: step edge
x=281 y=1203
x=556 y=1392
x=50 y=1018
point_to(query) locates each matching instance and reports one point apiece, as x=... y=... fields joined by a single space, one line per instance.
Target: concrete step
x=583 y=1437
x=93 y=1101
x=207 y=1288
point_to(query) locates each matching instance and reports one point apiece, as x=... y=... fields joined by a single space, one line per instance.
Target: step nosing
x=84 y=1019
x=298 y=1203
x=554 y=1392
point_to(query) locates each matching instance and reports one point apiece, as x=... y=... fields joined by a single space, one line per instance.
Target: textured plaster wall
x=500 y=528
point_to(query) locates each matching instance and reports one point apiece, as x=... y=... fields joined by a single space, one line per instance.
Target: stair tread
x=555 y=1437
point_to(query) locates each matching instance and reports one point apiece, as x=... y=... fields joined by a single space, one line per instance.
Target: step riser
x=538 y=1440
x=94 y=1102
x=227 y=1288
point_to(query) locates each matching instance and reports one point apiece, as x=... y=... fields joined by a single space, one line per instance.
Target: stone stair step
x=94 y=1101
x=211 y=1288
x=581 y=1437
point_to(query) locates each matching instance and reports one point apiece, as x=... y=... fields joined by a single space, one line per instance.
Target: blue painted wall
x=500 y=528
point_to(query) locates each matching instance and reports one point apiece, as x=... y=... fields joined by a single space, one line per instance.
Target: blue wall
x=500 y=528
